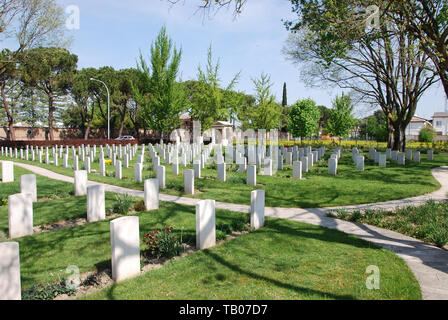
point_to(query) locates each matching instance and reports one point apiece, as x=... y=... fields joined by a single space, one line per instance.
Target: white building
x=414 y=127
x=440 y=123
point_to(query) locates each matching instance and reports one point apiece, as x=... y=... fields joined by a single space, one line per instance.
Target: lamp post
x=108 y=107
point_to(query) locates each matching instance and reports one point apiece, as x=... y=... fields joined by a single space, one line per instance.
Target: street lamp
x=108 y=107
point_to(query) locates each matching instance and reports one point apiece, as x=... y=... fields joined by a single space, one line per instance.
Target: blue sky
x=113 y=31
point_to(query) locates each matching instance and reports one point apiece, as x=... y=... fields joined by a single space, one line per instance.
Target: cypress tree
x=285 y=99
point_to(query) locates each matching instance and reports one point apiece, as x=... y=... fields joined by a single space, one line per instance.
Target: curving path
x=428 y=263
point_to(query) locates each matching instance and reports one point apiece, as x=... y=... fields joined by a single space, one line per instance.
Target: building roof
x=222 y=123
x=418 y=119
x=440 y=114
x=185 y=117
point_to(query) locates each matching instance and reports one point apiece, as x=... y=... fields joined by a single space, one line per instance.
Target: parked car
x=125 y=138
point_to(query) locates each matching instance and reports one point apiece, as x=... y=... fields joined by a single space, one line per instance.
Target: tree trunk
x=123 y=117
x=50 y=115
x=12 y=135
x=399 y=137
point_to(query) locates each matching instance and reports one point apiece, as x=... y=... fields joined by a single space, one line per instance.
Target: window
x=438 y=123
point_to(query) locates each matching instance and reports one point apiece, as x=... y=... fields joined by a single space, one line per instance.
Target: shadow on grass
x=271 y=281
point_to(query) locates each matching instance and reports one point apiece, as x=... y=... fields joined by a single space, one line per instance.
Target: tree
x=207 y=98
x=303 y=118
x=340 y=117
x=383 y=65
x=427 y=21
x=375 y=126
x=161 y=97
x=324 y=116
x=266 y=113
x=285 y=96
x=50 y=70
x=213 y=6
x=82 y=93
x=34 y=23
x=8 y=83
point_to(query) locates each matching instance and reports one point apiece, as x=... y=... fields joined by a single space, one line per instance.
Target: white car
x=125 y=138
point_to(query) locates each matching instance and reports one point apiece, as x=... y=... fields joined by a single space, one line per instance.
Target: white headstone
x=138 y=172
x=28 y=185
x=222 y=172
x=267 y=167
x=10 y=287
x=7 y=171
x=197 y=168
x=118 y=169
x=125 y=248
x=151 y=194
x=96 y=206
x=251 y=178
x=297 y=170
x=382 y=160
x=257 y=199
x=80 y=182
x=189 y=181
x=205 y=224
x=20 y=215
x=360 y=163
x=161 y=176
x=332 y=166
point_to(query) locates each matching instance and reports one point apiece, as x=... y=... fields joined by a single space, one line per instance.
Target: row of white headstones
x=124 y=231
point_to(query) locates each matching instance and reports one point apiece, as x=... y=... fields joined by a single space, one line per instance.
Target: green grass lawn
x=428 y=223
x=284 y=260
x=317 y=190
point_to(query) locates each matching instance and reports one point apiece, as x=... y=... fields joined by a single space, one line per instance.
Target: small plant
x=342 y=214
x=220 y=235
x=162 y=243
x=3 y=201
x=48 y=291
x=438 y=235
x=238 y=225
x=140 y=206
x=356 y=215
x=91 y=280
x=224 y=227
x=122 y=204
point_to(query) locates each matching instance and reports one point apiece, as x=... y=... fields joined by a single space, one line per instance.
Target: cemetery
x=141 y=170
x=79 y=224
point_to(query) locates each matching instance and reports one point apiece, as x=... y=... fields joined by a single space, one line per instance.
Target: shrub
x=122 y=204
x=426 y=134
x=162 y=243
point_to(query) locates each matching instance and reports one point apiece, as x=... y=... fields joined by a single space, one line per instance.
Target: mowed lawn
x=318 y=189
x=283 y=260
x=55 y=201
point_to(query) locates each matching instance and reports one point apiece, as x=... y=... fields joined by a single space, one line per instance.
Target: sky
x=113 y=32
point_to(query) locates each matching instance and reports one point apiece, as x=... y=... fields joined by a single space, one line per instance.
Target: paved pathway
x=429 y=263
